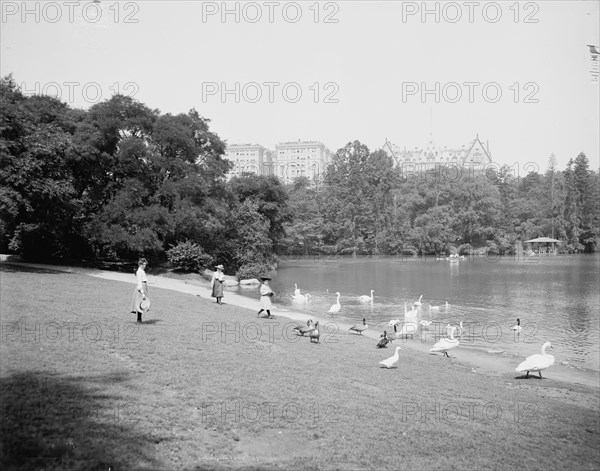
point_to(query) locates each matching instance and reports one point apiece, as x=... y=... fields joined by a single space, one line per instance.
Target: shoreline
x=479 y=360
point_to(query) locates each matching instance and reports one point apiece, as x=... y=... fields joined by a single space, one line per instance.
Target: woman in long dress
x=141 y=289
x=266 y=293
x=217 y=283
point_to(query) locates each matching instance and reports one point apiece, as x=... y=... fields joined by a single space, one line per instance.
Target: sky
x=517 y=74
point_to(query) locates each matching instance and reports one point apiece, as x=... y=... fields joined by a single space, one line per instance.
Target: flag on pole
x=594 y=56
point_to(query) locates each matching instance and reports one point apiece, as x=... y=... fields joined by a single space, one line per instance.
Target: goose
x=408 y=328
x=445 y=344
x=517 y=327
x=296 y=290
x=300 y=326
x=384 y=340
x=360 y=327
x=315 y=334
x=391 y=361
x=307 y=329
x=537 y=362
x=335 y=308
x=418 y=303
x=365 y=299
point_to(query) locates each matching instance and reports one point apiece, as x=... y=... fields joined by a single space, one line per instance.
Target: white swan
x=391 y=361
x=365 y=299
x=424 y=323
x=296 y=290
x=447 y=343
x=412 y=315
x=307 y=296
x=408 y=328
x=359 y=328
x=418 y=303
x=394 y=322
x=335 y=308
x=437 y=308
x=537 y=362
x=517 y=327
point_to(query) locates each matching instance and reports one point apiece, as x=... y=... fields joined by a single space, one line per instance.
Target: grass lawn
x=202 y=386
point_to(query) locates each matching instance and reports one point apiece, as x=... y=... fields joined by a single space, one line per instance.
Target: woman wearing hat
x=266 y=293
x=140 y=301
x=217 y=283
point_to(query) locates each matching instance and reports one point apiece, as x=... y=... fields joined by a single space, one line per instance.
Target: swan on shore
x=446 y=343
x=296 y=290
x=537 y=362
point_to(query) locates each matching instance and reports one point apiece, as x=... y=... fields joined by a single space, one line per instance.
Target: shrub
x=465 y=249
x=252 y=270
x=188 y=256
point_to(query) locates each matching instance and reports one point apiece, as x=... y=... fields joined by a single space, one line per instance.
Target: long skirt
x=137 y=298
x=217 y=289
x=265 y=302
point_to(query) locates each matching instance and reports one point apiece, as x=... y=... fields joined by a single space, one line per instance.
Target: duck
x=408 y=328
x=537 y=362
x=383 y=343
x=335 y=308
x=517 y=327
x=296 y=290
x=310 y=326
x=365 y=299
x=315 y=334
x=418 y=303
x=360 y=327
x=391 y=361
x=447 y=343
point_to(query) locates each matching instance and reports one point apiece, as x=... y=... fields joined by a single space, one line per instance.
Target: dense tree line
x=120 y=180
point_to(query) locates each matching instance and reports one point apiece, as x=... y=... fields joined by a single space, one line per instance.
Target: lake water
x=557 y=298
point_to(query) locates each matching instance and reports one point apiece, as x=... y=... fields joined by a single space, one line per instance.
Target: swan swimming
x=296 y=290
x=334 y=309
x=391 y=361
x=447 y=343
x=418 y=303
x=537 y=362
x=365 y=299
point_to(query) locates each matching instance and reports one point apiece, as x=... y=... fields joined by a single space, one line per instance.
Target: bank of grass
x=201 y=386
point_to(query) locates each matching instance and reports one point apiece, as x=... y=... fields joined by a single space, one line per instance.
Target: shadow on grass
x=151 y=321
x=17 y=267
x=52 y=422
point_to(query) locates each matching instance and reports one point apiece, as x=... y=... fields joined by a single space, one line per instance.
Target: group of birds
x=533 y=363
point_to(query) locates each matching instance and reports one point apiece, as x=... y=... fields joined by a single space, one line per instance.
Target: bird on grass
x=537 y=362
x=517 y=327
x=391 y=361
x=408 y=328
x=446 y=343
x=306 y=329
x=365 y=299
x=383 y=343
x=315 y=334
x=335 y=308
x=359 y=328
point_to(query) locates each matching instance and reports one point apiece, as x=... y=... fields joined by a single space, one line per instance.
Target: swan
x=365 y=299
x=307 y=296
x=445 y=344
x=307 y=329
x=537 y=362
x=360 y=327
x=315 y=334
x=412 y=315
x=517 y=327
x=408 y=328
x=418 y=303
x=335 y=308
x=437 y=308
x=425 y=323
x=384 y=340
x=391 y=361
x=394 y=322
x=296 y=290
